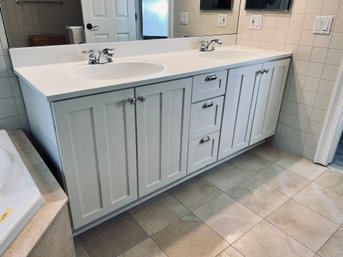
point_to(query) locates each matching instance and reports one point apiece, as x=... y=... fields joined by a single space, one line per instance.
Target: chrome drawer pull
x=211 y=77
x=204 y=140
x=207 y=104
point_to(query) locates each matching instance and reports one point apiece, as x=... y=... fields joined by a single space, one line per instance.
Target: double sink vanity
x=122 y=132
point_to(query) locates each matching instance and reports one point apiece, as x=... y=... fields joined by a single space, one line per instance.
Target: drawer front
x=209 y=85
x=206 y=117
x=202 y=151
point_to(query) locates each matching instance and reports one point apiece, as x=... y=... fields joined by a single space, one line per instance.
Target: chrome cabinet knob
x=207 y=104
x=131 y=100
x=142 y=99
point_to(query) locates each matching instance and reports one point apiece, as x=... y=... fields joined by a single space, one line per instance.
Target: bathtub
x=20 y=199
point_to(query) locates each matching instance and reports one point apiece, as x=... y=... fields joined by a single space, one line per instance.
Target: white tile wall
x=313 y=72
x=12 y=109
x=27 y=19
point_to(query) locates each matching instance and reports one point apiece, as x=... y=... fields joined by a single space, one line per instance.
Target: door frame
x=333 y=124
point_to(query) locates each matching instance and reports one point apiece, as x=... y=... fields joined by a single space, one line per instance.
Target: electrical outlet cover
x=255 y=21
x=221 y=20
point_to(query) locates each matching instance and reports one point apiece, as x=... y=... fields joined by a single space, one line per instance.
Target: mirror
x=49 y=19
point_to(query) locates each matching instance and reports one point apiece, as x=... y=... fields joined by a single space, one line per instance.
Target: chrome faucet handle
x=92 y=59
x=203 y=46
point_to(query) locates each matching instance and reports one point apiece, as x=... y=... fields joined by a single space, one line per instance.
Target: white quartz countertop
x=57 y=81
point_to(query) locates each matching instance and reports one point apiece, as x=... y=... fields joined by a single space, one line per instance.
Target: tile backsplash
x=314 y=69
x=12 y=109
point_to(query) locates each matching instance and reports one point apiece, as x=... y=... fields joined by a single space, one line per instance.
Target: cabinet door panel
x=162 y=133
x=269 y=100
x=95 y=134
x=118 y=156
x=237 y=118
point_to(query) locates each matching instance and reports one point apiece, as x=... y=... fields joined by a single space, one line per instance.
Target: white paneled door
x=109 y=20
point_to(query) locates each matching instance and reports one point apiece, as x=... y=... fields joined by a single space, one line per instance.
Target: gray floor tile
x=270 y=152
x=230 y=252
x=323 y=201
x=147 y=248
x=228 y=218
x=265 y=240
x=302 y=166
x=332 y=180
x=282 y=180
x=189 y=237
x=195 y=192
x=225 y=176
x=250 y=163
x=113 y=237
x=306 y=226
x=158 y=212
x=258 y=197
x=79 y=249
x=334 y=246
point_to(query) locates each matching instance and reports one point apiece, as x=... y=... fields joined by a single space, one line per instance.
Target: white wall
x=12 y=109
x=313 y=73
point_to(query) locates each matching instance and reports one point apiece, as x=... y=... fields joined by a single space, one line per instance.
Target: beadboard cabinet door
x=163 y=116
x=239 y=100
x=269 y=98
x=97 y=140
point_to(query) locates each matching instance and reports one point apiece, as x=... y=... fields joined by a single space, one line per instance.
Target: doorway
x=331 y=135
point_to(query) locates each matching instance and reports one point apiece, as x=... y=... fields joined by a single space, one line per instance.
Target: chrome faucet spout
x=207 y=46
x=106 y=54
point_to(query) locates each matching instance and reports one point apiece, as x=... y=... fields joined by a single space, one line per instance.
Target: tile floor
x=264 y=203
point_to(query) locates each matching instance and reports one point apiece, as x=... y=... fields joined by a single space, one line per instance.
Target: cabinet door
x=269 y=100
x=96 y=135
x=237 y=118
x=162 y=133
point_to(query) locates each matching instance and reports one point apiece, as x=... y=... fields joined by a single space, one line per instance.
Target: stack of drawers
x=206 y=115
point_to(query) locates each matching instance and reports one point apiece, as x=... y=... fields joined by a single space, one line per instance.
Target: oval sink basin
x=117 y=70
x=229 y=54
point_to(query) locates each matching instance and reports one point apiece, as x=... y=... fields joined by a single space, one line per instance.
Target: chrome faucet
x=208 y=46
x=104 y=56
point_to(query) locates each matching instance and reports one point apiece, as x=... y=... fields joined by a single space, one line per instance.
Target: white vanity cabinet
x=97 y=138
x=252 y=105
x=270 y=91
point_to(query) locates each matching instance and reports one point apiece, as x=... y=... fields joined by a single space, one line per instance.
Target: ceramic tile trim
x=54 y=197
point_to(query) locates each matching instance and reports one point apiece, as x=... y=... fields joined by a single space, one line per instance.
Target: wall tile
x=313 y=70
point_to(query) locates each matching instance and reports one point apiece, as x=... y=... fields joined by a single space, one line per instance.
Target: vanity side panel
x=42 y=127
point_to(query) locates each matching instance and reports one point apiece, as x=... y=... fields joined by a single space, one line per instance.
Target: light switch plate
x=221 y=20
x=184 y=18
x=255 y=21
x=322 y=25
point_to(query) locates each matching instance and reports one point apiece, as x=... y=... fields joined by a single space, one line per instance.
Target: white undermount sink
x=117 y=70
x=228 y=54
